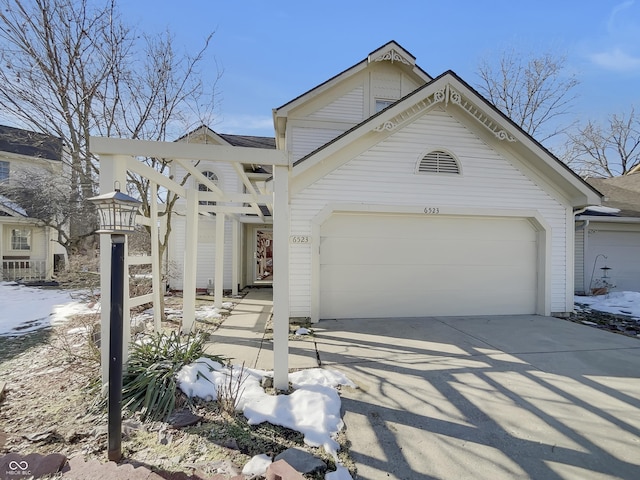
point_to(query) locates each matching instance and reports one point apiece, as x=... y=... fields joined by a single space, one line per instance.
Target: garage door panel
x=433 y=266
x=439 y=227
x=427 y=304
x=357 y=251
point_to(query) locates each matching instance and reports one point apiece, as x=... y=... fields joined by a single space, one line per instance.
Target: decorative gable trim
x=392 y=56
x=443 y=96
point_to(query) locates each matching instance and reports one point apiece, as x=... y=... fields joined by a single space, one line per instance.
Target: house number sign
x=431 y=210
x=300 y=239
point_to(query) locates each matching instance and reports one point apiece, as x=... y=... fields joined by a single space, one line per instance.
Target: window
x=439 y=162
x=21 y=239
x=203 y=188
x=382 y=104
x=4 y=170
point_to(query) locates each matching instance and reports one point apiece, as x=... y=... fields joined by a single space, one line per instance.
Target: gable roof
x=391 y=51
x=249 y=141
x=622 y=193
x=449 y=89
x=253 y=141
x=30 y=144
x=9 y=208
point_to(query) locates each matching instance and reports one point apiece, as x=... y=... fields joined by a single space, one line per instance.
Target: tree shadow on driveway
x=487 y=397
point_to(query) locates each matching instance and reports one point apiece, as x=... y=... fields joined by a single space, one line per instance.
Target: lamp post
x=117 y=212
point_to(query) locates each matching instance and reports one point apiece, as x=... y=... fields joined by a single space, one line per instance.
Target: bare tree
x=606 y=151
x=73 y=68
x=42 y=196
x=534 y=92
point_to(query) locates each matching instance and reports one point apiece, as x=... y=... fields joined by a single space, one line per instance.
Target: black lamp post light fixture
x=117 y=212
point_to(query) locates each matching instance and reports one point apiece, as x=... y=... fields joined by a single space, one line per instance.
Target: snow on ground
x=27 y=309
x=619 y=303
x=313 y=408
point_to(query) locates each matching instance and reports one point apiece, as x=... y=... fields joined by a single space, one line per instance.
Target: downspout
x=585 y=237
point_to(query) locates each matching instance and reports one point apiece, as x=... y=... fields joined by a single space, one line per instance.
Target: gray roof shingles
x=30 y=144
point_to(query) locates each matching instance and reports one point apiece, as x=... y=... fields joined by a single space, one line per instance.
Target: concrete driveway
x=487 y=397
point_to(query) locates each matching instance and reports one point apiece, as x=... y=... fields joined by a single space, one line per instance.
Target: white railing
x=13 y=270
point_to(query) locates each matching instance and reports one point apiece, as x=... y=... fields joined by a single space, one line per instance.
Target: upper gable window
x=203 y=188
x=4 y=170
x=439 y=161
x=381 y=104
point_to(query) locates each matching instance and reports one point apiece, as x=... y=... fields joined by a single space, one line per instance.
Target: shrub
x=149 y=381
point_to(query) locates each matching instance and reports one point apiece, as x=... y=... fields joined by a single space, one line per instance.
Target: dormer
x=345 y=100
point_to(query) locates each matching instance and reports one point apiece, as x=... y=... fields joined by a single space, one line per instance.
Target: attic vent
x=439 y=162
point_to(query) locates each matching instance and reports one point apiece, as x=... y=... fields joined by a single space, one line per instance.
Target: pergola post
x=281 y=277
x=190 y=262
x=235 y=256
x=219 y=272
x=156 y=284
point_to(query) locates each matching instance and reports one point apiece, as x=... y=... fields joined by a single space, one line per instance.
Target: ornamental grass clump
x=149 y=385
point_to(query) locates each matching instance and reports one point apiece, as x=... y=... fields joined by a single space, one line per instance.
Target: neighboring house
x=409 y=196
x=609 y=236
x=28 y=249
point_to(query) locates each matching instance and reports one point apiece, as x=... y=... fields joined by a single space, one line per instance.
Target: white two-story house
x=409 y=195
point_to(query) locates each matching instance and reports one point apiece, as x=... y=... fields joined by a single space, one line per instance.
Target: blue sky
x=271 y=52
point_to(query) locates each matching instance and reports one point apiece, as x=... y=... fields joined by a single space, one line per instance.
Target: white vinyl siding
x=206 y=253
x=228 y=181
x=385 y=175
x=306 y=140
x=348 y=108
x=386 y=83
x=620 y=244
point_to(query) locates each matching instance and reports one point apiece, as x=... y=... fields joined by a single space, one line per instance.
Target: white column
x=235 y=256
x=156 y=273
x=112 y=169
x=190 y=262
x=219 y=271
x=281 y=277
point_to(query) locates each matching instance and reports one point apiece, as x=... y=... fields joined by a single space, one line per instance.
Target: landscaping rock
x=3 y=387
x=183 y=418
x=302 y=461
x=281 y=470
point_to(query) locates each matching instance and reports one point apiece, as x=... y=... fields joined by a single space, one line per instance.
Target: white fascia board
x=604 y=219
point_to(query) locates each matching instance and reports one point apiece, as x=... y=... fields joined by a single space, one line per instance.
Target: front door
x=263 y=255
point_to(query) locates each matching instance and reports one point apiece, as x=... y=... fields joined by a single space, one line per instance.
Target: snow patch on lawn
x=618 y=303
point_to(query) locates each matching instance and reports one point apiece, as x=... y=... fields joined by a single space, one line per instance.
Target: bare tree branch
x=534 y=92
x=609 y=150
x=73 y=68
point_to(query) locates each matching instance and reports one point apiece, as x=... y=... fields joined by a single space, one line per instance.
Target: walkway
x=245 y=336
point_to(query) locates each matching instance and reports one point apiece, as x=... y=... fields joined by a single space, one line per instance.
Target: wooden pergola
x=118 y=157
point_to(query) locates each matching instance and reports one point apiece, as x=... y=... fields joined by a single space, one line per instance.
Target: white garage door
x=374 y=266
x=622 y=250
